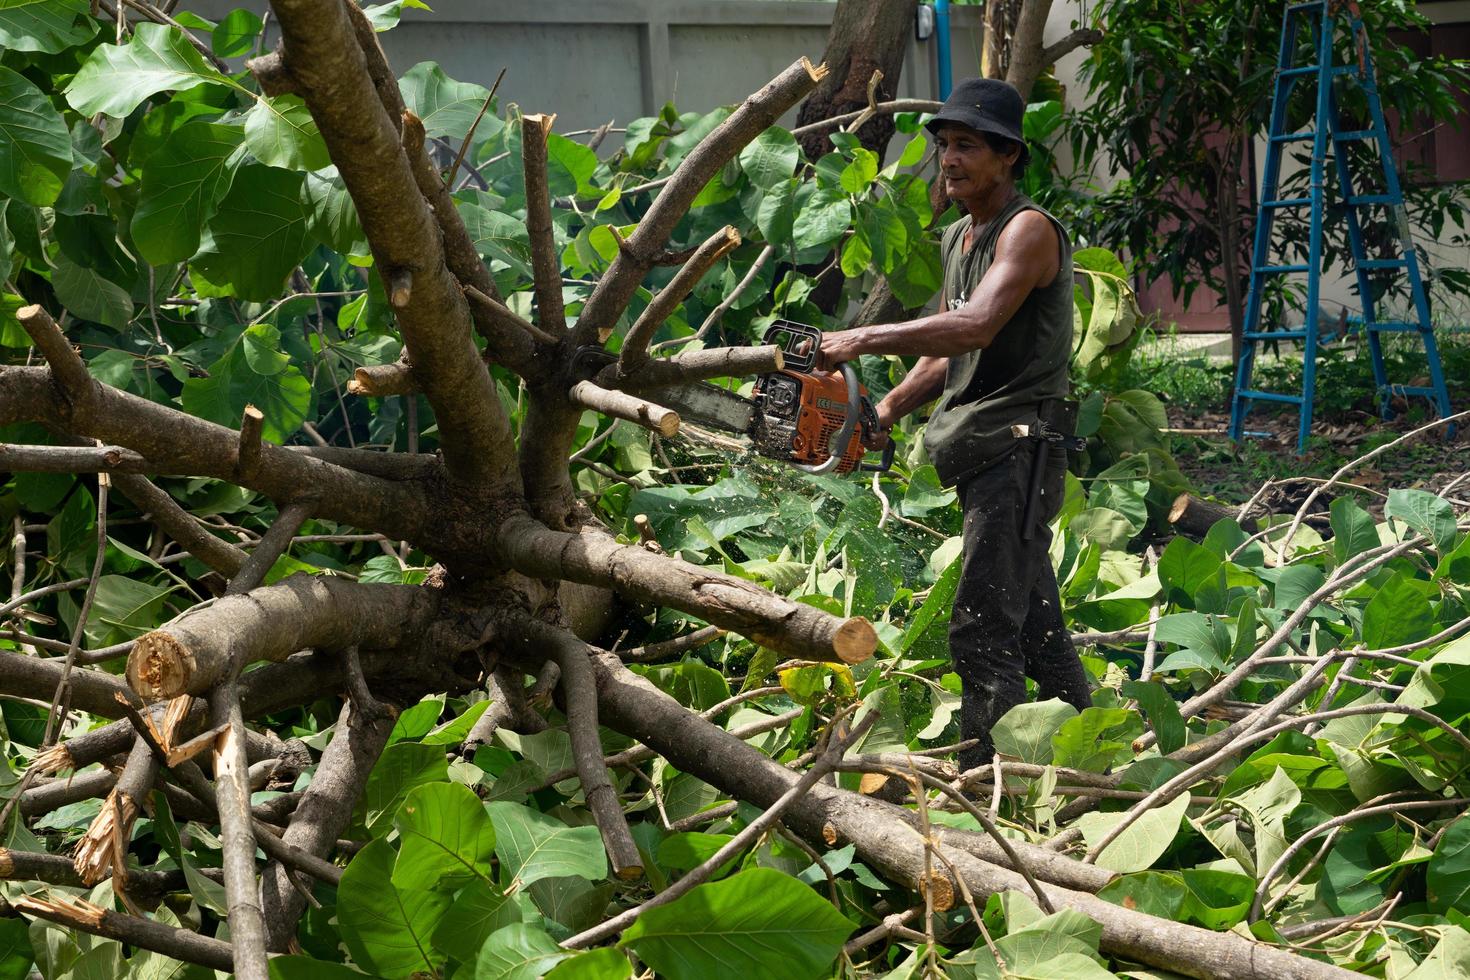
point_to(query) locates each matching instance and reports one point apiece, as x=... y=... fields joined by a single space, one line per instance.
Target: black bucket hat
x=986 y=105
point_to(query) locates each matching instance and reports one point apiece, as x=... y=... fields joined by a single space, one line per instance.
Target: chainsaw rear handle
x=884 y=466
x=843 y=435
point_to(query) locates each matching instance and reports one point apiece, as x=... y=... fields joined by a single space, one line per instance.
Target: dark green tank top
x=986 y=391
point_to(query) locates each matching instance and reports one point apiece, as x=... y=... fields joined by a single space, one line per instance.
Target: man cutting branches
x=996 y=355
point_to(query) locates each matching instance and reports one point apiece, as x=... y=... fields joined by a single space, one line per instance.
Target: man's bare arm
x=921 y=386
x=1026 y=256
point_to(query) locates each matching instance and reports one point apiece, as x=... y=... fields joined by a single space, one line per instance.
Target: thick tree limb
x=199 y=648
x=382 y=380
x=701 y=365
x=181 y=944
x=545 y=262
x=620 y=405
x=535 y=640
x=321 y=50
x=593 y=558
x=663 y=305
x=237 y=839
x=56 y=793
x=185 y=444
x=56 y=869
x=72 y=459
x=324 y=812
x=67 y=368
x=755 y=115
x=92 y=691
x=888 y=840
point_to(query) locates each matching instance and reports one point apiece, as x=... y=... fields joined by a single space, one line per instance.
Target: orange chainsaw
x=816 y=422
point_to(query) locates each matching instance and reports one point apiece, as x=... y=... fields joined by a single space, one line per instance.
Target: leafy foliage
x=211 y=259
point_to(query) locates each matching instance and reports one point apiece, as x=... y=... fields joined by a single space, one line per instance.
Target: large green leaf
x=1427 y=513
x=306 y=968
x=822 y=216
x=1447 y=878
x=1138 y=847
x=48 y=26
x=87 y=294
x=1353 y=529
x=760 y=923
x=532 y=845
x=1398 y=613
x=445 y=838
x=597 y=964
x=400 y=768
x=447 y=107
x=1025 y=732
x=116 y=79
x=123 y=609
x=253 y=372
x=35 y=148
x=182 y=182
x=386 y=930
x=479 y=909
x=258 y=234
x=331 y=215
x=15 y=949
x=517 y=952
x=281 y=133
x=769 y=159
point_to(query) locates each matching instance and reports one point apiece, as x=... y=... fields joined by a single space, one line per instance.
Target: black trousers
x=1007 y=619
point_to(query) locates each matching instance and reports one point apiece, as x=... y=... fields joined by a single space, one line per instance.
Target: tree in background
x=1177 y=94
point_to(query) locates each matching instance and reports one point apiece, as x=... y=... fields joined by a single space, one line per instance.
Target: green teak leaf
x=445 y=839
x=387 y=930
x=116 y=79
x=182 y=182
x=517 y=952
x=48 y=26
x=532 y=845
x=758 y=923
x=258 y=233
x=35 y=147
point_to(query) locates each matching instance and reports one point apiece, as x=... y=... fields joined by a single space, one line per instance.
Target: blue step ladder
x=1319 y=19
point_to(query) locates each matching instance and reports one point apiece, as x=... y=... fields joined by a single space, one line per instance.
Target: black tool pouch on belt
x=1059 y=420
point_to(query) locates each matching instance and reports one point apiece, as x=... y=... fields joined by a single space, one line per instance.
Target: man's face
x=972 y=170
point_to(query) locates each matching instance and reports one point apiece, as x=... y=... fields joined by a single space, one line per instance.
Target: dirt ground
x=1232 y=472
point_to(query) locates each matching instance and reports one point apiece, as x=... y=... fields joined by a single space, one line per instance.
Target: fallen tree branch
x=889 y=843
x=621 y=405
x=323 y=814
x=717 y=362
x=545 y=262
x=195 y=651
x=180 y=944
x=536 y=640
x=593 y=558
x=748 y=835
x=756 y=114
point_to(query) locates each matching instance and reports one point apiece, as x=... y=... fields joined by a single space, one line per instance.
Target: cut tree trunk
x=1193 y=517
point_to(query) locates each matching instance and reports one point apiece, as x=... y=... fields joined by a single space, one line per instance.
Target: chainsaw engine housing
x=797 y=414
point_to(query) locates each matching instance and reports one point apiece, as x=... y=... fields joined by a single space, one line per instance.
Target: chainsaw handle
x=885 y=465
x=849 y=425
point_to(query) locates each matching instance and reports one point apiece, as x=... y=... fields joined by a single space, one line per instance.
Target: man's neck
x=986 y=210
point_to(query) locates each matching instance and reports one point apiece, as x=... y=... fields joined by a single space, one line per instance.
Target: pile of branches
x=520 y=562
